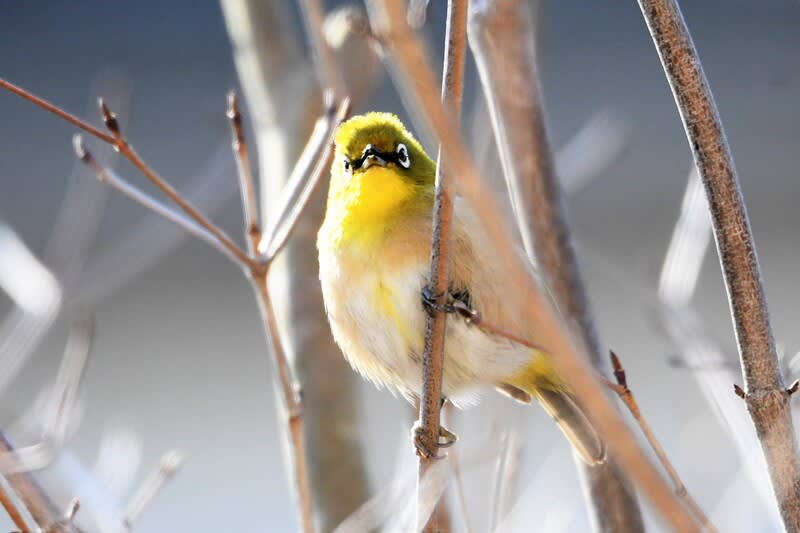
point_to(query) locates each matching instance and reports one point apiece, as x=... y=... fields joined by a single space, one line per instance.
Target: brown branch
x=625 y=394
x=427 y=428
x=525 y=296
x=118 y=141
x=31 y=494
x=766 y=396
x=502 y=37
x=312 y=165
x=10 y=505
x=57 y=111
x=256 y=268
x=246 y=186
x=282 y=94
x=111 y=178
x=292 y=402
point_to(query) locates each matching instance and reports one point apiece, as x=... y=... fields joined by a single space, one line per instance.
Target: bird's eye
x=346 y=164
x=402 y=156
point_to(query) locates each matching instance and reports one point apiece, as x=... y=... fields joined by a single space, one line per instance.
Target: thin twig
x=766 y=396
x=119 y=142
x=151 y=486
x=503 y=40
x=292 y=402
x=31 y=494
x=625 y=394
x=108 y=176
x=246 y=186
x=57 y=111
x=525 y=296
x=9 y=503
x=312 y=165
x=427 y=428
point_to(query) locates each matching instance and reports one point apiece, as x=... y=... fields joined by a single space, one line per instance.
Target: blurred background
x=179 y=360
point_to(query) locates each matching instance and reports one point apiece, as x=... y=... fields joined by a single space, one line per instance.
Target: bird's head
x=378 y=167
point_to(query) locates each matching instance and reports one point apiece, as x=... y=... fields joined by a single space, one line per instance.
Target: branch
x=766 y=396
x=118 y=141
x=311 y=166
x=151 y=486
x=625 y=394
x=246 y=186
x=109 y=177
x=427 y=428
x=502 y=38
x=678 y=280
x=32 y=496
x=524 y=296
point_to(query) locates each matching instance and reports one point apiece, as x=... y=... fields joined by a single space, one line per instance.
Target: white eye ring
x=402 y=156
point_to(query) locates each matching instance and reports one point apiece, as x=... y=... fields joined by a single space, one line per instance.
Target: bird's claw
x=430 y=304
x=446 y=438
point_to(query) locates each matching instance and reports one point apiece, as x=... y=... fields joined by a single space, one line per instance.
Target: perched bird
x=374 y=250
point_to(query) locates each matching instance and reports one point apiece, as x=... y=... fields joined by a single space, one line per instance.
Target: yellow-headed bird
x=374 y=249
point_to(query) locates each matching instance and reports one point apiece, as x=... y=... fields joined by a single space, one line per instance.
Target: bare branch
x=246 y=185
x=9 y=503
x=117 y=140
x=292 y=402
x=28 y=491
x=151 y=486
x=313 y=164
x=502 y=37
x=625 y=394
x=525 y=296
x=427 y=428
x=108 y=176
x=57 y=111
x=766 y=396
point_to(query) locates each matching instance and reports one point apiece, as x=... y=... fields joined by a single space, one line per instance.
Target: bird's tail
x=572 y=421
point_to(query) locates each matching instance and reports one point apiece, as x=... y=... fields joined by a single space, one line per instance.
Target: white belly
x=378 y=320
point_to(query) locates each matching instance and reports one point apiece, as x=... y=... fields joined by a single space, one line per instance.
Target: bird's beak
x=373 y=159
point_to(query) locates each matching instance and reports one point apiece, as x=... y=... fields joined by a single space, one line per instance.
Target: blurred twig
x=151 y=486
x=196 y=223
x=766 y=395
x=502 y=37
x=278 y=79
x=427 y=428
x=677 y=283
x=625 y=394
x=525 y=297
x=35 y=500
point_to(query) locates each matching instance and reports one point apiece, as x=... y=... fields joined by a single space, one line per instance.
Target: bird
x=374 y=255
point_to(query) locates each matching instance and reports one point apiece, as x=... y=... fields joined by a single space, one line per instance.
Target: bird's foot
x=430 y=304
x=446 y=438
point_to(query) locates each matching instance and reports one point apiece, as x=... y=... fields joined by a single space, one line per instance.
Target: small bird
x=374 y=253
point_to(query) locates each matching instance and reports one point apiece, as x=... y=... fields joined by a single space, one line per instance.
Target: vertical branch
x=766 y=396
x=519 y=290
x=246 y=186
x=502 y=39
x=283 y=99
x=35 y=500
x=438 y=282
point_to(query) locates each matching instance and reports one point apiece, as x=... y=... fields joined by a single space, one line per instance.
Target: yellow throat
x=362 y=206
